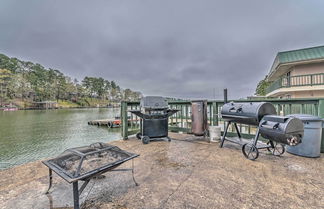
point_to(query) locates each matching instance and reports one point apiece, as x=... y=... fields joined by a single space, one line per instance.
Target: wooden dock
x=111 y=123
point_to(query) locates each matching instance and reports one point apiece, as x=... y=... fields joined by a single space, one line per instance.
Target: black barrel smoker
x=154 y=116
x=199 y=121
x=277 y=129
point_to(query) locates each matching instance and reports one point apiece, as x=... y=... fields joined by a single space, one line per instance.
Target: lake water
x=31 y=135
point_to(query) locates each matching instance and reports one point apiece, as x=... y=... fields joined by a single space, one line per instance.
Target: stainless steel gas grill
x=85 y=163
x=154 y=116
x=277 y=129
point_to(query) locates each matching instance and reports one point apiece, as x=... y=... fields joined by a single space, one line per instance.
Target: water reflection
x=32 y=135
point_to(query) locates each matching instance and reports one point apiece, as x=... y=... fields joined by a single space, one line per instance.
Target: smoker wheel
x=145 y=139
x=250 y=151
x=275 y=148
x=139 y=135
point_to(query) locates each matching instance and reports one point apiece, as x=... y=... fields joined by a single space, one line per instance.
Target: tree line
x=33 y=82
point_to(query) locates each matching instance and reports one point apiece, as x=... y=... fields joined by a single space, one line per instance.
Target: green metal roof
x=301 y=54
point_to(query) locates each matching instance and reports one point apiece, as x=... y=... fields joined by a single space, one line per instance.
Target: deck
x=187 y=172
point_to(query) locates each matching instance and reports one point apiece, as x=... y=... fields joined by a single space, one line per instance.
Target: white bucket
x=214 y=133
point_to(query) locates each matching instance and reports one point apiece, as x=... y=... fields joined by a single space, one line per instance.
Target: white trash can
x=214 y=133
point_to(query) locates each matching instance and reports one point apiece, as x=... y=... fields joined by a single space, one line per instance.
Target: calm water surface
x=31 y=135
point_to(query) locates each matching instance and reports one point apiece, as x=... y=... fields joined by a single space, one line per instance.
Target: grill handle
x=232 y=109
x=275 y=126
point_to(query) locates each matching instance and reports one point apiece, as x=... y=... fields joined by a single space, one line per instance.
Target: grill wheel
x=139 y=135
x=275 y=148
x=250 y=151
x=145 y=139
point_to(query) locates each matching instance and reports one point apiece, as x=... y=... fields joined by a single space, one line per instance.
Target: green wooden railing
x=181 y=121
x=299 y=80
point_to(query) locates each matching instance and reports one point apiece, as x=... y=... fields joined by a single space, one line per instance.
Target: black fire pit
x=87 y=162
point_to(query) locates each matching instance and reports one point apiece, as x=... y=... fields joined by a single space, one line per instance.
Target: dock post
x=124 y=119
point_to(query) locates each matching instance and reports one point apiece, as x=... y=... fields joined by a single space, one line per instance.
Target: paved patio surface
x=187 y=172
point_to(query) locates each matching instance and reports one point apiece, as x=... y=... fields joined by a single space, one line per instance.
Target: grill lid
x=153 y=102
x=249 y=113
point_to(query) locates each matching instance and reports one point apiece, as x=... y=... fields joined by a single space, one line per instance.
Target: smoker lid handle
x=270 y=127
x=232 y=109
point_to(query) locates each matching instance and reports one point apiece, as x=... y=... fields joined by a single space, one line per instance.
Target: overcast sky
x=179 y=48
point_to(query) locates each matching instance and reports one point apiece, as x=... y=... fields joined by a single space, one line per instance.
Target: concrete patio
x=187 y=172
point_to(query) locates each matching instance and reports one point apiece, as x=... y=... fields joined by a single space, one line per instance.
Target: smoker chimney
x=225 y=96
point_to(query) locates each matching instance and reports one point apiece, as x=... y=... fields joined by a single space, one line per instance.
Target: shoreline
x=59 y=108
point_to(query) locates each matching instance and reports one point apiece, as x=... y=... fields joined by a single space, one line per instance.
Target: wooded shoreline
x=23 y=83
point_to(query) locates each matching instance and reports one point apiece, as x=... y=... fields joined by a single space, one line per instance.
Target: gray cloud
x=181 y=48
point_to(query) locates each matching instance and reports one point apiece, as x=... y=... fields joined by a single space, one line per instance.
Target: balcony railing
x=299 y=80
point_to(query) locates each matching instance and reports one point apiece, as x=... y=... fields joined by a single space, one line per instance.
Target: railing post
x=215 y=114
x=124 y=119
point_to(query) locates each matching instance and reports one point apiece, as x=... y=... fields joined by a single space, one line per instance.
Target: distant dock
x=111 y=123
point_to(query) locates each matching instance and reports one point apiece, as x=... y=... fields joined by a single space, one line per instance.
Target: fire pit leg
x=133 y=173
x=76 y=195
x=50 y=180
x=224 y=136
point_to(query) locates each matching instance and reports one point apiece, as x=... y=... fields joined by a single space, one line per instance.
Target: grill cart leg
x=224 y=136
x=237 y=131
x=50 y=175
x=76 y=195
x=256 y=138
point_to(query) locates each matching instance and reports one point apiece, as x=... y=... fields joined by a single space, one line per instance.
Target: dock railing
x=181 y=121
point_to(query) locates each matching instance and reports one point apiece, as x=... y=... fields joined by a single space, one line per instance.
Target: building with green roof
x=297 y=74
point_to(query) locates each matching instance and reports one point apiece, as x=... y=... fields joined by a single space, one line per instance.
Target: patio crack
x=184 y=181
